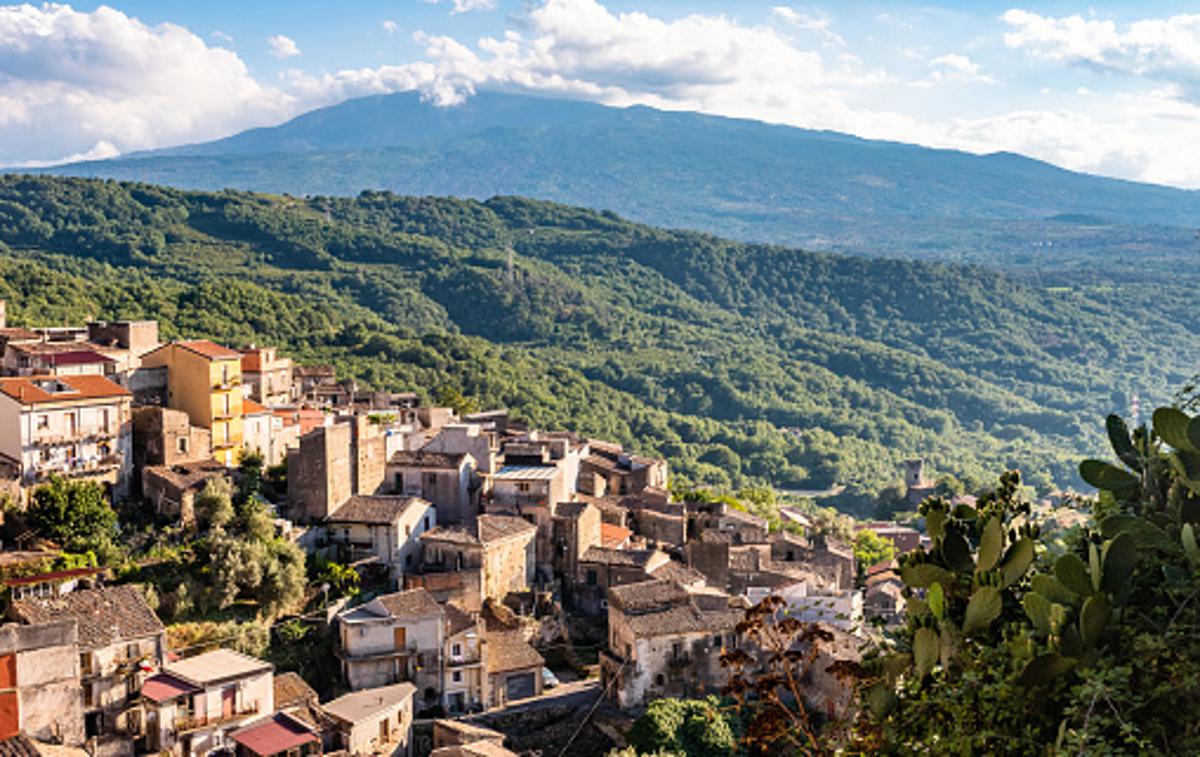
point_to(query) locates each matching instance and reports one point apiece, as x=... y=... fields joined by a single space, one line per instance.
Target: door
x=400 y=637
x=228 y=701
x=520 y=686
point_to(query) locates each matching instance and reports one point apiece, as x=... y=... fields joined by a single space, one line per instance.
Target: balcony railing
x=195 y=722
x=462 y=660
x=73 y=468
x=224 y=386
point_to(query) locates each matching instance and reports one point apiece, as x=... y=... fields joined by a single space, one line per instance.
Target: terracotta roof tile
x=33 y=390
x=211 y=350
x=613 y=536
x=292 y=691
x=407 y=604
x=508 y=650
x=496 y=527
x=105 y=616
x=250 y=407
x=373 y=508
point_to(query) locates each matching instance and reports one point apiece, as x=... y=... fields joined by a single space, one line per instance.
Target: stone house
x=204 y=380
x=575 y=528
x=884 y=597
x=560 y=449
x=513 y=667
x=39 y=682
x=394 y=638
x=742 y=527
x=306 y=379
x=375 y=721
x=266 y=377
x=194 y=705
x=665 y=641
x=71 y=426
x=119 y=639
x=163 y=436
x=905 y=539
x=609 y=469
x=464 y=684
x=333 y=463
x=172 y=489
x=601 y=569
x=386 y=527
x=445 y=479
x=664 y=528
x=501 y=549
x=472 y=439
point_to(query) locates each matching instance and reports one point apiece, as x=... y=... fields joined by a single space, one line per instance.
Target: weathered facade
x=394 y=638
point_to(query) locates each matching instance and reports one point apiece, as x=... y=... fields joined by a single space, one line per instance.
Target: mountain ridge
x=736 y=177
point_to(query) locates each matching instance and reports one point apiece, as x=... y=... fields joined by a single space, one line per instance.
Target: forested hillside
x=741 y=363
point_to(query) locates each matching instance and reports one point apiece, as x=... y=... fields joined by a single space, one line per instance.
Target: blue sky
x=1110 y=88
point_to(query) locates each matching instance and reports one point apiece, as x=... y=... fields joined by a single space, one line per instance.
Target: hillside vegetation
x=740 y=363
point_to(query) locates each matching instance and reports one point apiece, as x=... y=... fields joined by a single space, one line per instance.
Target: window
x=133 y=651
x=591 y=578
x=182 y=445
x=399 y=484
x=426 y=522
x=676 y=649
x=456 y=649
x=658 y=680
x=523 y=486
x=717 y=640
x=43 y=422
x=456 y=676
x=431 y=479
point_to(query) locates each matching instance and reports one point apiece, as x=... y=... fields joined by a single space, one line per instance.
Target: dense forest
x=740 y=363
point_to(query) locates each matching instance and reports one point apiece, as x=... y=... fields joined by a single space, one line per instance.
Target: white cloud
x=390 y=26
x=953 y=67
x=466 y=6
x=99 y=151
x=72 y=81
x=1166 y=49
x=818 y=22
x=282 y=47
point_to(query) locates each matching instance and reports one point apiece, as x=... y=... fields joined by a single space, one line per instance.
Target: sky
x=1112 y=88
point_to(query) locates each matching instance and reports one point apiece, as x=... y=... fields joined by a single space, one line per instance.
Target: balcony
x=226 y=385
x=462 y=661
x=75 y=468
x=188 y=723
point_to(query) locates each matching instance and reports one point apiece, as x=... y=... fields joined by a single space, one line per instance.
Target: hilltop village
x=454 y=572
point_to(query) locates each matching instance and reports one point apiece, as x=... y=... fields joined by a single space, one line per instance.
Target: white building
x=375 y=721
x=386 y=527
x=394 y=638
x=71 y=426
x=193 y=706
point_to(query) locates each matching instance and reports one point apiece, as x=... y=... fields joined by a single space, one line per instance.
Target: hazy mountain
x=739 y=178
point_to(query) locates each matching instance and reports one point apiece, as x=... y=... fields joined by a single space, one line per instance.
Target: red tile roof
x=250 y=407
x=58 y=575
x=26 y=389
x=273 y=736
x=164 y=687
x=613 y=536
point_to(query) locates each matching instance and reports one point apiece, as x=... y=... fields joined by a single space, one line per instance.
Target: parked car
x=549 y=680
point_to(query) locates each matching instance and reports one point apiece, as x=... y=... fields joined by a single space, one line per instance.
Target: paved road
x=570 y=694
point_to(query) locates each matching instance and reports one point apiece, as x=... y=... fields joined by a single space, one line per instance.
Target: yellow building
x=205 y=381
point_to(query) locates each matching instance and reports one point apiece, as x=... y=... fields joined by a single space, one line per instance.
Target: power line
x=588 y=716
